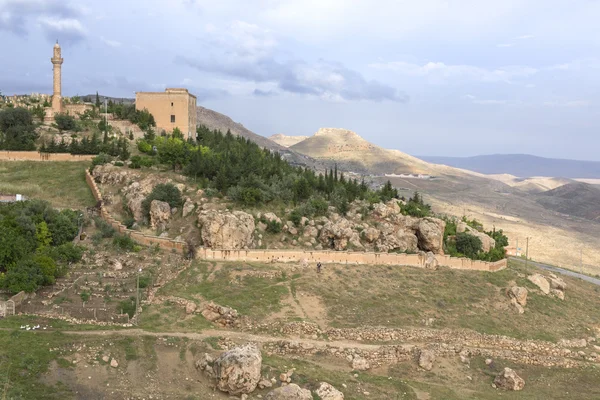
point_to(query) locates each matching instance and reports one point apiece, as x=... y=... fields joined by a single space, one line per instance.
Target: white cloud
x=525 y=37
x=439 y=72
x=505 y=45
x=69 y=29
x=110 y=43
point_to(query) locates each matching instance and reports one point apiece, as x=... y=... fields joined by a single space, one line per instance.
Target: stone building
x=173 y=108
x=56 y=76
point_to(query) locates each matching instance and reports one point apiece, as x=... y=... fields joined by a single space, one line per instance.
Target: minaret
x=57 y=66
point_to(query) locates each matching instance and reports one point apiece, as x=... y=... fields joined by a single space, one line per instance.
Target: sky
x=427 y=77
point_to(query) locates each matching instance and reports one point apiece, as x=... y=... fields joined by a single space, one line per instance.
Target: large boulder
x=271 y=217
x=370 y=234
x=336 y=234
x=310 y=231
x=289 y=392
x=399 y=240
x=328 y=392
x=160 y=212
x=137 y=192
x=431 y=235
x=509 y=380
x=386 y=210
x=541 y=282
x=237 y=371
x=557 y=283
x=426 y=359
x=519 y=294
x=226 y=230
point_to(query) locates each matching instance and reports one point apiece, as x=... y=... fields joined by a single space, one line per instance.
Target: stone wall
x=75 y=109
x=36 y=156
x=346 y=257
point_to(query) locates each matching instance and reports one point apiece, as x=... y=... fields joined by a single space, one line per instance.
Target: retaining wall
x=37 y=156
x=323 y=256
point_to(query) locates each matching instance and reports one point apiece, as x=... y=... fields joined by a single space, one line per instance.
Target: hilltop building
x=173 y=108
x=57 y=61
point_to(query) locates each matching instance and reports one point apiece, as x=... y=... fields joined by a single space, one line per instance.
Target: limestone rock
x=517 y=306
x=226 y=230
x=519 y=294
x=114 y=363
x=557 y=283
x=509 y=380
x=160 y=213
x=426 y=359
x=116 y=265
x=310 y=231
x=370 y=234
x=557 y=293
x=264 y=383
x=289 y=392
x=271 y=217
x=190 y=307
x=431 y=235
x=328 y=392
x=106 y=359
x=577 y=343
x=137 y=191
x=360 y=364
x=400 y=240
x=110 y=175
x=336 y=234
x=541 y=282
x=223 y=316
x=237 y=371
x=188 y=207
x=386 y=210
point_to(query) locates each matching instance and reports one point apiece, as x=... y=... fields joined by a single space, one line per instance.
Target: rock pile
x=225 y=317
x=328 y=392
x=552 y=285
x=226 y=230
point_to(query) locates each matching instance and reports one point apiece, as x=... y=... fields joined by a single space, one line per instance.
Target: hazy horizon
x=426 y=78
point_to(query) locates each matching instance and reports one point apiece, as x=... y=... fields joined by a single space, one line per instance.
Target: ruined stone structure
x=173 y=108
x=57 y=71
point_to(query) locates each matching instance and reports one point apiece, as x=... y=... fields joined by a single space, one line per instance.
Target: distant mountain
x=215 y=120
x=521 y=165
x=577 y=198
x=353 y=153
x=285 y=140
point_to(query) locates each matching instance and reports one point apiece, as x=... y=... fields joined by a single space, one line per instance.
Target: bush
x=101 y=159
x=468 y=245
x=118 y=164
x=273 y=226
x=138 y=162
x=145 y=281
x=17 y=131
x=125 y=243
x=127 y=307
x=164 y=192
x=65 y=122
x=106 y=230
x=68 y=252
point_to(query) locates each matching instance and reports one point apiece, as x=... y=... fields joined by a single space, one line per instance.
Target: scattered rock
x=289 y=392
x=264 y=383
x=223 y=316
x=114 y=363
x=572 y=343
x=426 y=359
x=431 y=235
x=238 y=370
x=188 y=207
x=190 y=307
x=360 y=364
x=509 y=380
x=328 y=392
x=557 y=283
x=541 y=282
x=557 y=293
x=519 y=294
x=106 y=359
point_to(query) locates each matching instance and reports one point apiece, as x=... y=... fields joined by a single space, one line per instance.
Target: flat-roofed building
x=173 y=108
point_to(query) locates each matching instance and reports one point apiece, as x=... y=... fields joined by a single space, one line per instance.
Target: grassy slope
x=61 y=183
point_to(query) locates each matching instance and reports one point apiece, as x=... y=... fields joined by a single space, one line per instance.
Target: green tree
x=43 y=236
x=17 y=131
x=65 y=122
x=97 y=100
x=468 y=245
x=166 y=192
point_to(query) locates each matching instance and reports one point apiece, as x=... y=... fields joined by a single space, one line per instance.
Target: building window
x=171 y=104
x=172 y=119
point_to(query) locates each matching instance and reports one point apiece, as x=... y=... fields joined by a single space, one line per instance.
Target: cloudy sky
x=428 y=77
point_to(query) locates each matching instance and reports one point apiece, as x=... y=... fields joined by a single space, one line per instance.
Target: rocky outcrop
x=160 y=213
x=111 y=175
x=509 y=380
x=557 y=283
x=289 y=392
x=137 y=192
x=335 y=235
x=426 y=359
x=487 y=243
x=188 y=207
x=226 y=230
x=222 y=316
x=370 y=234
x=431 y=235
x=360 y=364
x=237 y=371
x=328 y=392
x=399 y=240
x=541 y=282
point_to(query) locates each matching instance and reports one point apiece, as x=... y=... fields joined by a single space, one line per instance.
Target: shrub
x=85 y=296
x=164 y=192
x=101 y=159
x=65 y=122
x=127 y=307
x=118 y=164
x=145 y=281
x=468 y=245
x=106 y=230
x=125 y=243
x=273 y=226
